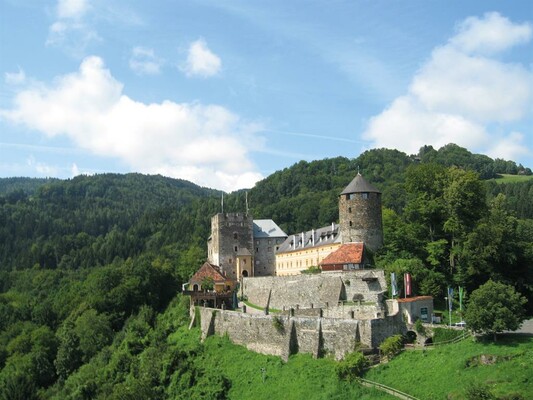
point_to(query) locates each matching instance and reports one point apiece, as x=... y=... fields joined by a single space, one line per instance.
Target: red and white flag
x=407 y=284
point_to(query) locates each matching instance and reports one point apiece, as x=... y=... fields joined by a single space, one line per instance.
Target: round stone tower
x=360 y=214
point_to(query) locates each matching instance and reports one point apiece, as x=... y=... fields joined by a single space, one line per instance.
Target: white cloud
x=15 y=78
x=207 y=144
x=143 y=61
x=74 y=170
x=69 y=31
x=509 y=147
x=491 y=34
x=72 y=8
x=479 y=88
x=42 y=168
x=201 y=61
x=459 y=94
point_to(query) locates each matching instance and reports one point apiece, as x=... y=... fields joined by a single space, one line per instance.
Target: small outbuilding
x=348 y=257
x=209 y=287
x=414 y=308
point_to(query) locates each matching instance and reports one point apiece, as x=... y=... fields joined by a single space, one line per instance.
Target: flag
x=461 y=294
x=407 y=284
x=394 y=284
x=450 y=298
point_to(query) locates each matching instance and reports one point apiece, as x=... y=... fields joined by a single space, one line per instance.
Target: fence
x=387 y=389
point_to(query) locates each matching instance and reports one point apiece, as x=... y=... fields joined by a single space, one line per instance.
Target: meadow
x=448 y=371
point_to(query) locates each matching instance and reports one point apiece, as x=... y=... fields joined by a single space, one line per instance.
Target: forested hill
x=91 y=220
x=306 y=194
x=90 y=267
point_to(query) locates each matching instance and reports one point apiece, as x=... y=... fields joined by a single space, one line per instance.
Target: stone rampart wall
x=283 y=335
x=318 y=291
x=383 y=328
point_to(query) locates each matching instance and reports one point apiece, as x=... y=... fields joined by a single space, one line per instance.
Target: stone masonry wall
x=283 y=335
x=318 y=291
x=360 y=219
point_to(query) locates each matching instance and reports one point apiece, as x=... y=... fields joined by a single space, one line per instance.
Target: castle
x=330 y=312
x=243 y=247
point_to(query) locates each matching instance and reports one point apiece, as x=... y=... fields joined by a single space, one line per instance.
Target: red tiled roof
x=416 y=298
x=348 y=253
x=208 y=271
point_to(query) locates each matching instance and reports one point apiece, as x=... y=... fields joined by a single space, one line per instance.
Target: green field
x=506 y=178
x=302 y=377
x=446 y=372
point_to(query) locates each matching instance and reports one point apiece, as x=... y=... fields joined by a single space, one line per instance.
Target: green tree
x=94 y=332
x=352 y=366
x=391 y=346
x=495 y=307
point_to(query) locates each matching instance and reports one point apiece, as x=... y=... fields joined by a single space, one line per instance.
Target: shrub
x=352 y=366
x=391 y=346
x=312 y=270
x=445 y=335
x=419 y=328
x=479 y=392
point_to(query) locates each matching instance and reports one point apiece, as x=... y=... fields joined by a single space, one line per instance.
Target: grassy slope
x=443 y=371
x=513 y=178
x=302 y=377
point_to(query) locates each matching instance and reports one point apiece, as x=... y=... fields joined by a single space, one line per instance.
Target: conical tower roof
x=359 y=185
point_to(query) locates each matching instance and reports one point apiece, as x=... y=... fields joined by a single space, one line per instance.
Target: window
x=364 y=195
x=235 y=235
x=350 y=210
x=235 y=248
x=424 y=314
x=350 y=223
x=230 y=260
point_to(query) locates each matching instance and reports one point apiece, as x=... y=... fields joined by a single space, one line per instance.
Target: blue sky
x=223 y=93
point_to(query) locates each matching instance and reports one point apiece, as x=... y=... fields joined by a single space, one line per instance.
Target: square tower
x=231 y=234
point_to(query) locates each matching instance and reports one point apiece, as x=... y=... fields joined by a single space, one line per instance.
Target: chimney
x=332 y=226
x=313 y=237
x=303 y=240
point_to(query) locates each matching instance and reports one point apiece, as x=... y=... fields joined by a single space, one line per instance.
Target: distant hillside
x=24 y=185
x=305 y=195
x=90 y=220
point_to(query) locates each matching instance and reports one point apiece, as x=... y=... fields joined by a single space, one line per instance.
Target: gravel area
x=527 y=327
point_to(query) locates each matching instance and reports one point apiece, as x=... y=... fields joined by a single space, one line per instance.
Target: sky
x=224 y=93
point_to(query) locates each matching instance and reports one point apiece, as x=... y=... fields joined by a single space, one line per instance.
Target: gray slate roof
x=265 y=228
x=359 y=185
x=322 y=236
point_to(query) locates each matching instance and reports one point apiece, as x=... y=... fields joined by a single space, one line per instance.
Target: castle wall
x=283 y=335
x=318 y=291
x=360 y=219
x=381 y=329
